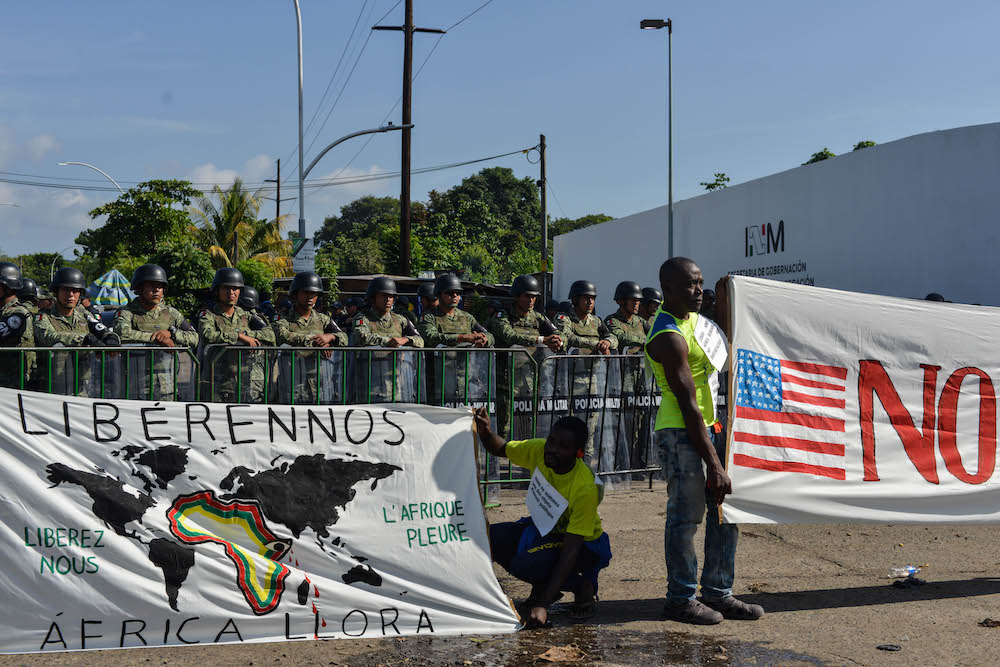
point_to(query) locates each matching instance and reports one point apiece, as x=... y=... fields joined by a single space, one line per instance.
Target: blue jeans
x=531 y=557
x=686 y=506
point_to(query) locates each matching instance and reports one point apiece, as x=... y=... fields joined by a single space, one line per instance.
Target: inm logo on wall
x=764 y=239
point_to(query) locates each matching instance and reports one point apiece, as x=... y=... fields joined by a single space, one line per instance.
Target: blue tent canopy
x=110 y=290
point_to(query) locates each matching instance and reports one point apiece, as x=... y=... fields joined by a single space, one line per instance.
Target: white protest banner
x=855 y=407
x=544 y=503
x=132 y=523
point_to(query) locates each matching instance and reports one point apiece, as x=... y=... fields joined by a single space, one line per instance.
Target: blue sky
x=207 y=91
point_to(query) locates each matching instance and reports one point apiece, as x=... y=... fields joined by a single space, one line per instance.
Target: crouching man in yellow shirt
x=571 y=554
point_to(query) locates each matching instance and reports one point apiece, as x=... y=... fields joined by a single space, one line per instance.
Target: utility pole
x=404 y=189
x=277 y=194
x=545 y=227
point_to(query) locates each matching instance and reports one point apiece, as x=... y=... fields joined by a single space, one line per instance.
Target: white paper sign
x=164 y=524
x=712 y=341
x=545 y=504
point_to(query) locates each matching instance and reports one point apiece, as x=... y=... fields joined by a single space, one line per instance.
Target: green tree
x=564 y=225
x=479 y=263
x=257 y=274
x=513 y=201
x=863 y=144
x=231 y=231
x=819 y=156
x=721 y=181
x=141 y=217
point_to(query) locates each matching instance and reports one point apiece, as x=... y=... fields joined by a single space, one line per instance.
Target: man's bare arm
x=492 y=442
x=671 y=351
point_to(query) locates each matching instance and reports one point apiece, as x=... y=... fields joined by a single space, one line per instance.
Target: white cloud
x=42 y=145
x=205 y=175
x=258 y=168
x=47 y=220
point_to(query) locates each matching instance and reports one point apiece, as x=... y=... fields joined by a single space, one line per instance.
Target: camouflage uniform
x=370 y=330
x=299 y=331
x=134 y=324
x=214 y=328
x=16 y=330
x=516 y=371
x=447 y=382
x=51 y=329
x=586 y=375
x=632 y=420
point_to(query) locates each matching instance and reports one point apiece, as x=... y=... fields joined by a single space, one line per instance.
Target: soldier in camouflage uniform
x=586 y=332
x=146 y=320
x=651 y=300
x=625 y=323
x=426 y=301
x=16 y=329
x=449 y=326
x=494 y=313
x=68 y=324
x=28 y=297
x=228 y=324
x=631 y=330
x=307 y=327
x=523 y=326
x=378 y=326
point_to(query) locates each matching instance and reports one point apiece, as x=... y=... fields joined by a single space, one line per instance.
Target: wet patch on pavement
x=578 y=644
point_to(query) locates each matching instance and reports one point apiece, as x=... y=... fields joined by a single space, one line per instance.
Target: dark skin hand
x=560 y=455
x=682 y=297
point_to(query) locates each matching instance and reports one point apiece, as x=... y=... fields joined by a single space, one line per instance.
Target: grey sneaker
x=693 y=612
x=735 y=609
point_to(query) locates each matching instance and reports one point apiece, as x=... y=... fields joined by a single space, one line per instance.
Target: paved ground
x=824 y=587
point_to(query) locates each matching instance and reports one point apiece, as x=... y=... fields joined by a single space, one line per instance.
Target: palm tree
x=231 y=231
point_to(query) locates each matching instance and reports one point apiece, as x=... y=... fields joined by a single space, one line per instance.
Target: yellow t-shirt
x=578 y=486
x=669 y=414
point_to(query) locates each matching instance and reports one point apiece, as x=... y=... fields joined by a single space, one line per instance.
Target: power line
x=463 y=20
x=263 y=188
x=416 y=74
x=553 y=193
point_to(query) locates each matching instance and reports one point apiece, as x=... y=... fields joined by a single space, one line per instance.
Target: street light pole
x=10 y=203
x=302 y=199
x=656 y=24
x=384 y=128
x=84 y=164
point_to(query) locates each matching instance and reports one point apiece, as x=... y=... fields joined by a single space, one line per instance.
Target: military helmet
x=565 y=307
x=494 y=304
x=356 y=301
x=10 y=276
x=149 y=273
x=652 y=294
x=447 y=282
x=582 y=288
x=426 y=290
x=249 y=299
x=306 y=281
x=68 y=277
x=28 y=291
x=525 y=284
x=380 y=285
x=708 y=296
x=934 y=296
x=628 y=290
x=337 y=305
x=227 y=276
x=402 y=302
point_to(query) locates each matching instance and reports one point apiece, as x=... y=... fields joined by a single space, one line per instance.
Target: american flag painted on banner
x=790 y=416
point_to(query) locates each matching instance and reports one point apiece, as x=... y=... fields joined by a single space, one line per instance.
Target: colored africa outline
x=183 y=516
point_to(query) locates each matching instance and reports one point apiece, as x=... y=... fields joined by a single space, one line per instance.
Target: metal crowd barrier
x=124 y=372
x=525 y=390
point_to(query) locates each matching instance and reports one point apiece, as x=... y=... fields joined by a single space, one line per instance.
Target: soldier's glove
x=111 y=339
x=256 y=323
x=546 y=327
x=185 y=326
x=332 y=328
x=90 y=340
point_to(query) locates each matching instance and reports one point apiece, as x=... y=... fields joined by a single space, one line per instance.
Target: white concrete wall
x=905 y=218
